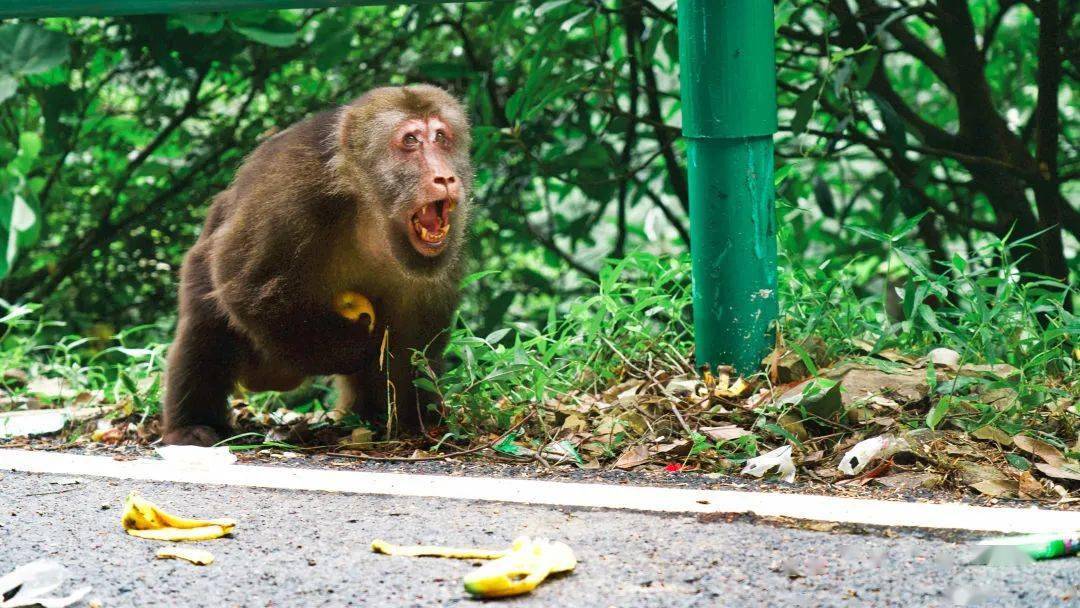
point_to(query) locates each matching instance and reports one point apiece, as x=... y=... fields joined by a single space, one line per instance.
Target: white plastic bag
x=32 y=582
x=868 y=450
x=193 y=455
x=779 y=458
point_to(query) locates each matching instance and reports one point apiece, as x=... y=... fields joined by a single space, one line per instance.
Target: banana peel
x=353 y=305
x=199 y=557
x=144 y=519
x=527 y=564
x=381 y=546
x=513 y=571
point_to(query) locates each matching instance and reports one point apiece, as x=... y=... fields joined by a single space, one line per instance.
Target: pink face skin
x=428 y=142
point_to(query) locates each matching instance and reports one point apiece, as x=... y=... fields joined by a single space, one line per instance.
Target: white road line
x=648 y=498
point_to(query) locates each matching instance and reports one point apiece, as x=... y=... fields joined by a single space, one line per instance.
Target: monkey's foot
x=199 y=435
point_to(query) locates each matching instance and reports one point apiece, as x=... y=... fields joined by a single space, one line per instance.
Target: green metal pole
x=728 y=77
x=79 y=8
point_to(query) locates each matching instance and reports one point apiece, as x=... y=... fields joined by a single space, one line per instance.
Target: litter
x=31 y=584
x=192 y=455
x=868 y=450
x=32 y=422
x=513 y=571
x=779 y=458
x=199 y=557
x=1010 y=550
x=144 y=519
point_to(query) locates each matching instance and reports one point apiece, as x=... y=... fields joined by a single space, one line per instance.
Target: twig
x=441 y=456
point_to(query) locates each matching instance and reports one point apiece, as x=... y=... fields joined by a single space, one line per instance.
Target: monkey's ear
x=344 y=134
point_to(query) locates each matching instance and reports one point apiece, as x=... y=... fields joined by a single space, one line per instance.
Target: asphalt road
x=312 y=549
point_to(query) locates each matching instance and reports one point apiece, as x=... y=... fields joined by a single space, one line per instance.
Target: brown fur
x=314 y=211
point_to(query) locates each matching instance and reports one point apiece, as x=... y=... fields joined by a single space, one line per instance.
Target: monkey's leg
x=362 y=393
x=201 y=373
x=412 y=405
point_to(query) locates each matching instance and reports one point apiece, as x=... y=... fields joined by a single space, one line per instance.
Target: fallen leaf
x=972 y=473
x=997 y=488
x=862 y=383
x=818 y=396
x=574 y=423
x=1001 y=370
x=992 y=433
x=199 y=557
x=910 y=480
x=794 y=425
x=726 y=432
x=786 y=365
x=52 y=388
x=632 y=457
x=1029 y=486
x=1057 y=472
x=1047 y=452
x=360 y=439
x=944 y=357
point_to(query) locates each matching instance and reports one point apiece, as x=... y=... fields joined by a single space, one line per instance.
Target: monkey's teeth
x=452 y=205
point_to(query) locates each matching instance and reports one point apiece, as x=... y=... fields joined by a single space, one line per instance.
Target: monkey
x=370 y=199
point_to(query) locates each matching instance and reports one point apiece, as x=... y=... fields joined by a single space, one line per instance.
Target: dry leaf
x=1029 y=486
x=1057 y=472
x=632 y=457
x=862 y=382
x=724 y=433
x=52 y=388
x=997 y=488
x=1047 y=452
x=910 y=480
x=944 y=357
x=992 y=433
x=972 y=473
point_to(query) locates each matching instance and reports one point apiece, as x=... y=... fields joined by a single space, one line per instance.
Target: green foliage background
x=114 y=133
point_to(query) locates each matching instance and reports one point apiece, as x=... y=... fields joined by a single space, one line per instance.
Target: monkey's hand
x=354 y=306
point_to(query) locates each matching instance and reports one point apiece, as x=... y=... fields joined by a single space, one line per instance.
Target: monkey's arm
x=269 y=272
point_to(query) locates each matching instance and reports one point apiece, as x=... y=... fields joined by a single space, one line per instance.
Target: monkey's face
x=406 y=153
x=424 y=152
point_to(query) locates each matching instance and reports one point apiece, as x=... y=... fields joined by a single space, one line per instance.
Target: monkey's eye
x=410 y=141
x=440 y=137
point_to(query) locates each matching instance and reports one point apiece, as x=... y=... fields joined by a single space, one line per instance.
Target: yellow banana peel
x=353 y=305
x=528 y=563
x=144 y=519
x=513 y=571
x=199 y=557
x=381 y=546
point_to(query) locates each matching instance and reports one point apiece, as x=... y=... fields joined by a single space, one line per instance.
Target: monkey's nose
x=445 y=181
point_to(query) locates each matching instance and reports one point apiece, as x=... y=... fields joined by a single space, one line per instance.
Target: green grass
x=634 y=323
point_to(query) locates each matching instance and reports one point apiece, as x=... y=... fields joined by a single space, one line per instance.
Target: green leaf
x=269 y=30
x=1018 y=461
x=894 y=125
x=938 y=412
x=26 y=48
x=804 y=109
x=8 y=87
x=198 y=24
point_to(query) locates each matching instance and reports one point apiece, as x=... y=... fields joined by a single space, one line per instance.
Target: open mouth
x=431 y=224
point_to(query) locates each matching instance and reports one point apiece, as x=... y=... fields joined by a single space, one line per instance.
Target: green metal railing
x=728 y=84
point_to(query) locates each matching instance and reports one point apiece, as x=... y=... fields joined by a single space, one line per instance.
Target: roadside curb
x=950 y=516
